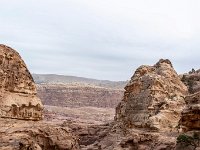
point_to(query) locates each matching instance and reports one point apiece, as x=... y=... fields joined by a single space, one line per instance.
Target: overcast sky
x=103 y=39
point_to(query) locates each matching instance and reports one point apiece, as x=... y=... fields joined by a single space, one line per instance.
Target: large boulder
x=18 y=98
x=154 y=98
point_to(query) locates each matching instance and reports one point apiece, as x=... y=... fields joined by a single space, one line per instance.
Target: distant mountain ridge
x=71 y=91
x=63 y=79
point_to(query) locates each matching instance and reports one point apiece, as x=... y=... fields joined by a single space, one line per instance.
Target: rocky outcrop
x=17 y=89
x=137 y=140
x=192 y=81
x=103 y=137
x=89 y=134
x=79 y=95
x=30 y=135
x=190 y=119
x=154 y=98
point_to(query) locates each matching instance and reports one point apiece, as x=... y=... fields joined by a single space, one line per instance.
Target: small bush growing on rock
x=187 y=140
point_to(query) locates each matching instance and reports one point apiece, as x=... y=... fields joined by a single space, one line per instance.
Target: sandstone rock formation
x=154 y=98
x=31 y=135
x=192 y=81
x=190 y=119
x=137 y=140
x=17 y=89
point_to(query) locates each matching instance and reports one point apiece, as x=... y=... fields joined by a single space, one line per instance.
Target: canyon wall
x=79 y=95
x=190 y=119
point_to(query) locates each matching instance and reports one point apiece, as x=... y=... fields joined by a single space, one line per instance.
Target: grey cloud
x=101 y=39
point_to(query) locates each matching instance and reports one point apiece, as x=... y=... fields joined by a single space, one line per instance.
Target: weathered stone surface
x=109 y=137
x=188 y=141
x=190 y=119
x=154 y=98
x=192 y=81
x=135 y=140
x=30 y=135
x=17 y=89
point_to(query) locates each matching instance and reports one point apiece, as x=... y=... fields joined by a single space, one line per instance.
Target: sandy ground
x=90 y=115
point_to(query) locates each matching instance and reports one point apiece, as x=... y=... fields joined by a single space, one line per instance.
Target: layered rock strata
x=79 y=95
x=190 y=119
x=18 y=98
x=192 y=81
x=154 y=98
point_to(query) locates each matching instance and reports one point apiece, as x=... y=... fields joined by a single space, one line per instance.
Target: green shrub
x=185 y=139
x=189 y=140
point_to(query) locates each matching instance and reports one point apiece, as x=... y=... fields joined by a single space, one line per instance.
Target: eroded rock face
x=17 y=89
x=154 y=98
x=138 y=140
x=30 y=135
x=190 y=119
x=192 y=81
